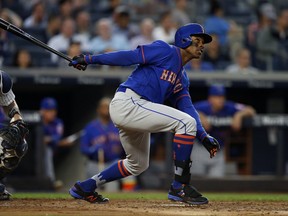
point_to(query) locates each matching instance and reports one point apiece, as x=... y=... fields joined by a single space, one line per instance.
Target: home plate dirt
x=137 y=207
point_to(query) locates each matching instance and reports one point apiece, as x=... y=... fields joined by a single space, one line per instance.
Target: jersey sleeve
x=57 y=134
x=85 y=142
x=182 y=101
x=146 y=54
x=88 y=147
x=232 y=107
x=118 y=58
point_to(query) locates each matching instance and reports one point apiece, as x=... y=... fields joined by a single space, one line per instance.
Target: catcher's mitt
x=13 y=146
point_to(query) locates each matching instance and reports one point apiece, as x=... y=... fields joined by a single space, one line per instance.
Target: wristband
x=13 y=112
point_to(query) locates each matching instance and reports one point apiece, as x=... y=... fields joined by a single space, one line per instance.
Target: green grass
x=163 y=196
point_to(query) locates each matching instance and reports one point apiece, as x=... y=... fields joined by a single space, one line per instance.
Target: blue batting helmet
x=48 y=103
x=184 y=33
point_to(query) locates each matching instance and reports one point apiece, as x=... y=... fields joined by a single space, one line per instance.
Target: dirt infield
x=57 y=207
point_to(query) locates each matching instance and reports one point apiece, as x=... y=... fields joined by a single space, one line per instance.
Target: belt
x=130 y=92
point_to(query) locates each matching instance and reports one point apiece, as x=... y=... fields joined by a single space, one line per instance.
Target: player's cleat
x=4 y=194
x=93 y=197
x=187 y=194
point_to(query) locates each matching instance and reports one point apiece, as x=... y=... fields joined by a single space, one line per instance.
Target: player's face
x=48 y=115
x=217 y=102
x=103 y=110
x=197 y=47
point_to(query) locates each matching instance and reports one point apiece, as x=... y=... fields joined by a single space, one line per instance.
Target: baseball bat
x=20 y=33
x=70 y=140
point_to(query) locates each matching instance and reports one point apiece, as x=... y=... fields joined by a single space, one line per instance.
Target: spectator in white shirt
x=166 y=29
x=62 y=40
x=147 y=26
x=242 y=63
x=105 y=41
x=38 y=18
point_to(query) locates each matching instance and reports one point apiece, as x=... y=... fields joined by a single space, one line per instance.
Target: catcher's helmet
x=182 y=36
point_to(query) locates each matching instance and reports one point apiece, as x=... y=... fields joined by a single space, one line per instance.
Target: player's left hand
x=79 y=62
x=211 y=144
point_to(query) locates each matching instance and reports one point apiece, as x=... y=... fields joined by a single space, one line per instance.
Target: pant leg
x=128 y=111
x=93 y=167
x=136 y=118
x=205 y=166
x=137 y=149
x=49 y=163
x=217 y=168
x=200 y=158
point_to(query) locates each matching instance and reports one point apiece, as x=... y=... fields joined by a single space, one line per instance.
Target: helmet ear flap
x=186 y=41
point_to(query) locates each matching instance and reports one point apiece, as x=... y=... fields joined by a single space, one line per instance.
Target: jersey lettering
x=169 y=76
x=178 y=87
x=164 y=75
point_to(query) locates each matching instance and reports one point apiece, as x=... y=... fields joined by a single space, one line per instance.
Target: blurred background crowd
x=249 y=36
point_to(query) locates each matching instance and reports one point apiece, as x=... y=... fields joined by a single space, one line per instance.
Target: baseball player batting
x=137 y=110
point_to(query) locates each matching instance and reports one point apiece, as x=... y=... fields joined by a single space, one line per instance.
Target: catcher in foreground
x=13 y=145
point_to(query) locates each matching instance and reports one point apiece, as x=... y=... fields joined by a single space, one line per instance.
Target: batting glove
x=79 y=62
x=211 y=144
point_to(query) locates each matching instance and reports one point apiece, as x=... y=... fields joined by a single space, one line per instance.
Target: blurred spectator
x=266 y=15
x=198 y=65
x=122 y=23
x=272 y=44
x=38 y=18
x=53 y=26
x=106 y=41
x=166 y=30
x=216 y=106
x=83 y=29
x=5 y=49
x=217 y=24
x=65 y=8
x=53 y=129
x=74 y=49
x=236 y=39
x=22 y=59
x=179 y=13
x=101 y=143
x=215 y=55
x=18 y=7
x=147 y=25
x=62 y=40
x=11 y=16
x=79 y=5
x=242 y=63
x=109 y=9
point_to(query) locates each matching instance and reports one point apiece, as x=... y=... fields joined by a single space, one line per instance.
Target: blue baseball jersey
x=99 y=136
x=158 y=76
x=229 y=109
x=54 y=130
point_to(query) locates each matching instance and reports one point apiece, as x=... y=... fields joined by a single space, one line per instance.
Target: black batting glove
x=211 y=144
x=79 y=62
